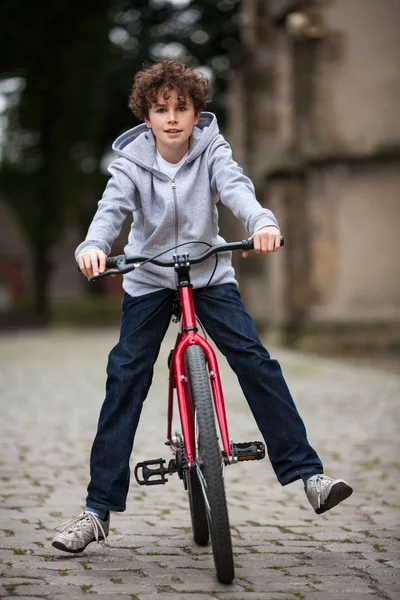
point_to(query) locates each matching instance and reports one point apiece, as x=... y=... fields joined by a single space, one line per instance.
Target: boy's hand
x=266 y=239
x=92 y=263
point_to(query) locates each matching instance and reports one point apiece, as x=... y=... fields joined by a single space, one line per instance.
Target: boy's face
x=172 y=121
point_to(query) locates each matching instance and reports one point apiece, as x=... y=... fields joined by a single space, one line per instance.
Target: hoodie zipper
x=175 y=210
x=176 y=220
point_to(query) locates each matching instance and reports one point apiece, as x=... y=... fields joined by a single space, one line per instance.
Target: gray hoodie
x=169 y=212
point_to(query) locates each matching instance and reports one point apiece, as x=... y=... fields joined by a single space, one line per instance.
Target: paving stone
x=282 y=584
x=174 y=596
x=282 y=549
x=21 y=597
x=18 y=581
x=340 y=596
x=50 y=591
x=255 y=596
x=263 y=561
x=391 y=591
x=346 y=583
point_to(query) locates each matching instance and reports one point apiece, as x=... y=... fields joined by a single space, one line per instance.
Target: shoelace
x=94 y=521
x=320 y=482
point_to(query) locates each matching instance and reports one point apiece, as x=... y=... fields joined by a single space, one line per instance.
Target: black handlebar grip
x=249 y=244
x=111 y=262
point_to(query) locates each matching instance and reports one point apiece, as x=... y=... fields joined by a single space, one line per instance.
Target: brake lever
x=107 y=272
x=104 y=274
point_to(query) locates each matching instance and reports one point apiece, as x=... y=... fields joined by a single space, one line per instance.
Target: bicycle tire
x=210 y=460
x=198 y=512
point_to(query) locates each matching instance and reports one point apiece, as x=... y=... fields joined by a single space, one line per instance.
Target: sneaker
x=74 y=535
x=324 y=493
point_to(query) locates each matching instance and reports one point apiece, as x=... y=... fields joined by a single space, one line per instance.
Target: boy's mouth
x=173 y=130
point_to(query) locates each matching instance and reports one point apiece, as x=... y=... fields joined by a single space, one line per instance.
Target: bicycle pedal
x=154 y=469
x=248 y=451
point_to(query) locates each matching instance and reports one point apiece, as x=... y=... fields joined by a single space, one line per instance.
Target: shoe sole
x=339 y=492
x=60 y=546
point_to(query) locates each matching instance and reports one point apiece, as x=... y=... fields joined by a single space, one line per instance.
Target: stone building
x=315 y=121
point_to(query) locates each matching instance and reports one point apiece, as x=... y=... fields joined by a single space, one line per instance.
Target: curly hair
x=161 y=78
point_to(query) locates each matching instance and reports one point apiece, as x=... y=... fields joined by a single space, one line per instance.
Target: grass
x=8 y=532
x=369 y=534
x=19 y=551
x=253 y=523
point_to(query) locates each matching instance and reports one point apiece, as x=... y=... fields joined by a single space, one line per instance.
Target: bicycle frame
x=178 y=379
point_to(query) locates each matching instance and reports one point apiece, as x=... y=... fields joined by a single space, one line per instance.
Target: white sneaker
x=74 y=535
x=324 y=493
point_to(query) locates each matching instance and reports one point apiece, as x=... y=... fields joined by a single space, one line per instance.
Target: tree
x=75 y=61
x=60 y=53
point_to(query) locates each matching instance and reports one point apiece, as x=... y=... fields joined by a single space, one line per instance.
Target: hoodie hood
x=141 y=142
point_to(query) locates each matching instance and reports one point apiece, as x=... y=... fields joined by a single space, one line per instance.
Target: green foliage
x=74 y=63
x=60 y=54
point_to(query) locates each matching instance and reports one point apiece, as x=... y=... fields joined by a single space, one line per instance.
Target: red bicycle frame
x=178 y=379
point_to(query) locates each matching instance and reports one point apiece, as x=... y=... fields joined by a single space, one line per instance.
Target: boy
x=168 y=172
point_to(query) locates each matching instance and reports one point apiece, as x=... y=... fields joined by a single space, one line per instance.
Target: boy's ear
x=146 y=120
x=197 y=117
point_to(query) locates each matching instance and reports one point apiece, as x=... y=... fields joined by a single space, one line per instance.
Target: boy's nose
x=172 y=117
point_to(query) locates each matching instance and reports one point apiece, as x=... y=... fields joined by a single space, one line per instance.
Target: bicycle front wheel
x=209 y=464
x=198 y=509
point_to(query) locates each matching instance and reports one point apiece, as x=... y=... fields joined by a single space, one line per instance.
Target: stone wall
x=325 y=157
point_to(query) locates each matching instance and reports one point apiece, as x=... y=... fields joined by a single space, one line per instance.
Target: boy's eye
x=161 y=110
x=182 y=108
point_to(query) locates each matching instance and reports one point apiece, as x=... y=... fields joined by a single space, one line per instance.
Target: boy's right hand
x=92 y=263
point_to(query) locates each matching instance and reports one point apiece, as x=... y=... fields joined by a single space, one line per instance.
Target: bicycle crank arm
x=247 y=451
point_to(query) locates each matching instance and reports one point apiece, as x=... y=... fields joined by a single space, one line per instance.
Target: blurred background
x=307 y=92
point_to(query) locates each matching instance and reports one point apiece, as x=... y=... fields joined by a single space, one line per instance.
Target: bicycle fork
x=154 y=472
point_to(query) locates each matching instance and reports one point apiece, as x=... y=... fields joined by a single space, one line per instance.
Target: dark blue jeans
x=145 y=321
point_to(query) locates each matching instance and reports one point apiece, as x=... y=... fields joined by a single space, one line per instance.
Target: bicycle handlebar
x=124 y=264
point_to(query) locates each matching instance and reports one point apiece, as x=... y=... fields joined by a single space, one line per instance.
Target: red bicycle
x=199 y=455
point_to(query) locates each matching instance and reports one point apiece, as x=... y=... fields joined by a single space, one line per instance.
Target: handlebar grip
x=111 y=262
x=249 y=244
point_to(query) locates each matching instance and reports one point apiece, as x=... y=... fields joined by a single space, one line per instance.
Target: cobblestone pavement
x=51 y=391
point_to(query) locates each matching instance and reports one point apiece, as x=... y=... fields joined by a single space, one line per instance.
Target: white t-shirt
x=169 y=169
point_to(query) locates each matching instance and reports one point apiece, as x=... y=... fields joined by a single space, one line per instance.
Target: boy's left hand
x=266 y=239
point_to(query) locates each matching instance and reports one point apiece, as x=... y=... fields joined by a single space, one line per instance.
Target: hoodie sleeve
x=235 y=190
x=119 y=198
